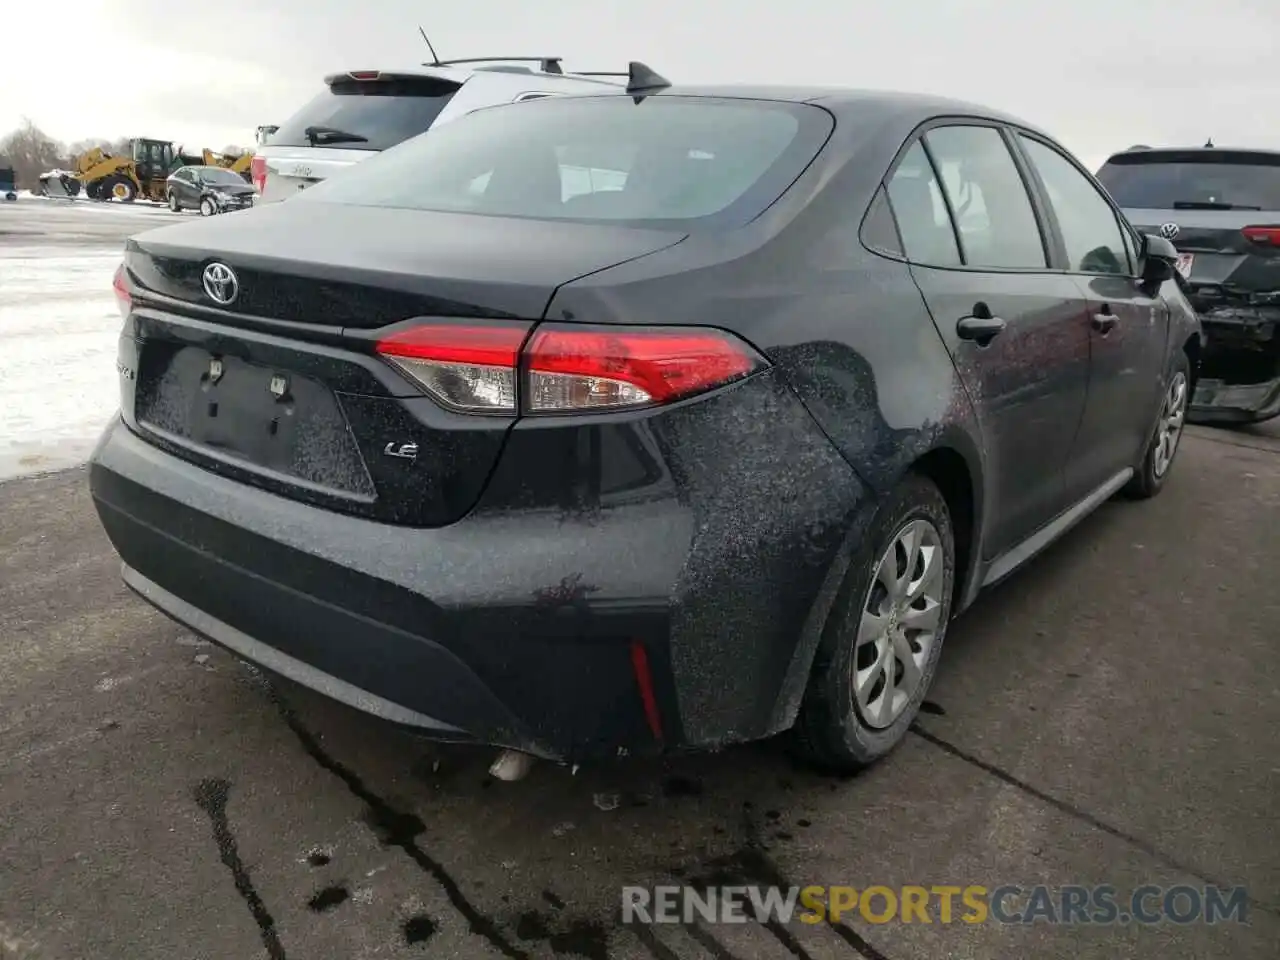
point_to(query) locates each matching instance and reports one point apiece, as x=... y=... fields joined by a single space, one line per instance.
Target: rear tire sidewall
x=1145 y=483
x=835 y=736
x=173 y=202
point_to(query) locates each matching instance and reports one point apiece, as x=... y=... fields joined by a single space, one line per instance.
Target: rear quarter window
x=382 y=112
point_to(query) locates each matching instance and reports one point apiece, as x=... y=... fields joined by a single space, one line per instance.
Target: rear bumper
x=566 y=635
x=1240 y=380
x=1219 y=402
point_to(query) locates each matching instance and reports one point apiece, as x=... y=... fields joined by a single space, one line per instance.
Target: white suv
x=364 y=111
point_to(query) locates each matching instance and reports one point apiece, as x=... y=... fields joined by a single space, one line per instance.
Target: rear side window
x=993 y=212
x=1189 y=180
x=367 y=114
x=923 y=222
x=667 y=159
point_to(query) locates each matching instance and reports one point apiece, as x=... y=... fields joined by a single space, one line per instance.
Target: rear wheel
x=118 y=187
x=877 y=658
x=1157 y=461
x=173 y=202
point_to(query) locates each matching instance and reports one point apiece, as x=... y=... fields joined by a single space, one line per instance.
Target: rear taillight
x=258 y=172
x=565 y=368
x=570 y=368
x=471 y=368
x=120 y=285
x=1268 y=235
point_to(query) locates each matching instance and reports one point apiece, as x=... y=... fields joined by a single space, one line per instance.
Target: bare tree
x=31 y=152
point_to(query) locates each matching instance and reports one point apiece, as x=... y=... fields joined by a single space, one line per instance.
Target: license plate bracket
x=252 y=414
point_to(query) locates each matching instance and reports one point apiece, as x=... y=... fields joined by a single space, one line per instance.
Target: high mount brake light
x=566 y=368
x=120 y=285
x=1269 y=234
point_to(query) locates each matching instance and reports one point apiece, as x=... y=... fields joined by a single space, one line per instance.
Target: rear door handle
x=1104 y=320
x=981 y=330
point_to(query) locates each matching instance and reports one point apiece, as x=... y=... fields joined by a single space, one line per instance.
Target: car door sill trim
x=1016 y=556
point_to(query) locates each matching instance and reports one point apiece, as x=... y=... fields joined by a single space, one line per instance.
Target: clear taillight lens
x=468 y=368
x=565 y=368
x=120 y=285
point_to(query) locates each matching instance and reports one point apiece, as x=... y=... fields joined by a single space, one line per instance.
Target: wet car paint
x=722 y=550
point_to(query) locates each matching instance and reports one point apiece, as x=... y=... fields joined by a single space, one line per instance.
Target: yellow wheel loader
x=105 y=176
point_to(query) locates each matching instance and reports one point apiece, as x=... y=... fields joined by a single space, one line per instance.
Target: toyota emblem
x=1169 y=231
x=220 y=283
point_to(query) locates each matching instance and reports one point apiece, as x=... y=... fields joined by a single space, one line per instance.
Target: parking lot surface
x=1106 y=716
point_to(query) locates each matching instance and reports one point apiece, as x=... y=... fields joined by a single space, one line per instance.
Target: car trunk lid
x=281 y=386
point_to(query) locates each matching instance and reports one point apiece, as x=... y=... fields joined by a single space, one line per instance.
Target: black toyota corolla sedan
x=645 y=421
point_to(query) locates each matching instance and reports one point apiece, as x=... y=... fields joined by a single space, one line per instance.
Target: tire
x=117 y=187
x=173 y=202
x=834 y=732
x=1152 y=473
x=207 y=208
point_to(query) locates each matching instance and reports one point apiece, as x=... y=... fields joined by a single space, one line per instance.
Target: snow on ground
x=58 y=331
x=59 y=325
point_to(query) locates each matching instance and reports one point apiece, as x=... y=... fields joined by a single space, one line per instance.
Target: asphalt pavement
x=1107 y=716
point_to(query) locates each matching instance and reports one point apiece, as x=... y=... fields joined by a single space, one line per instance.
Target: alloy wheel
x=900 y=623
x=1169 y=429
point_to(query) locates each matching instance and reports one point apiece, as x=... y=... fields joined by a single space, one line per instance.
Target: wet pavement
x=1105 y=717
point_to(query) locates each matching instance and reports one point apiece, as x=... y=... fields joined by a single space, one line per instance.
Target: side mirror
x=1159 y=259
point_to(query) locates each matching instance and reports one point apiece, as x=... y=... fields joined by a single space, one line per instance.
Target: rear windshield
x=665 y=159
x=366 y=114
x=216 y=175
x=1169 y=180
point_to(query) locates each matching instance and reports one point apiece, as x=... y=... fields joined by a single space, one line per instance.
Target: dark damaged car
x=641 y=422
x=1220 y=208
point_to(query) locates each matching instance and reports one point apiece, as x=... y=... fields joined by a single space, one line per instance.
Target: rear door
x=355 y=117
x=1128 y=327
x=1016 y=330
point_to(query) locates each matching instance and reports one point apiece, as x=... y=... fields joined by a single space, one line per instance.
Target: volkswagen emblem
x=220 y=283
x=1169 y=231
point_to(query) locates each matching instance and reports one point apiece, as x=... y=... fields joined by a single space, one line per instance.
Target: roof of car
x=466 y=71
x=839 y=99
x=1263 y=151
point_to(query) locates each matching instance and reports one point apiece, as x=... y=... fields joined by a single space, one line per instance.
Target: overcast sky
x=1099 y=74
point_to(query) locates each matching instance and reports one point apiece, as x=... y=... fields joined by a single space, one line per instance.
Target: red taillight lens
x=258 y=172
x=471 y=368
x=120 y=284
x=571 y=368
x=1269 y=235
x=565 y=368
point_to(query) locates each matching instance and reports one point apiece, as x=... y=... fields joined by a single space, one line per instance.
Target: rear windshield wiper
x=1210 y=205
x=332 y=135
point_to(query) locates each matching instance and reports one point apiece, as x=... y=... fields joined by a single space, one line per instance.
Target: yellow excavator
x=142 y=173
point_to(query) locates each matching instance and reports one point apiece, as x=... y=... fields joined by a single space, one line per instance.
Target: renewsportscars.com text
x=971 y=904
